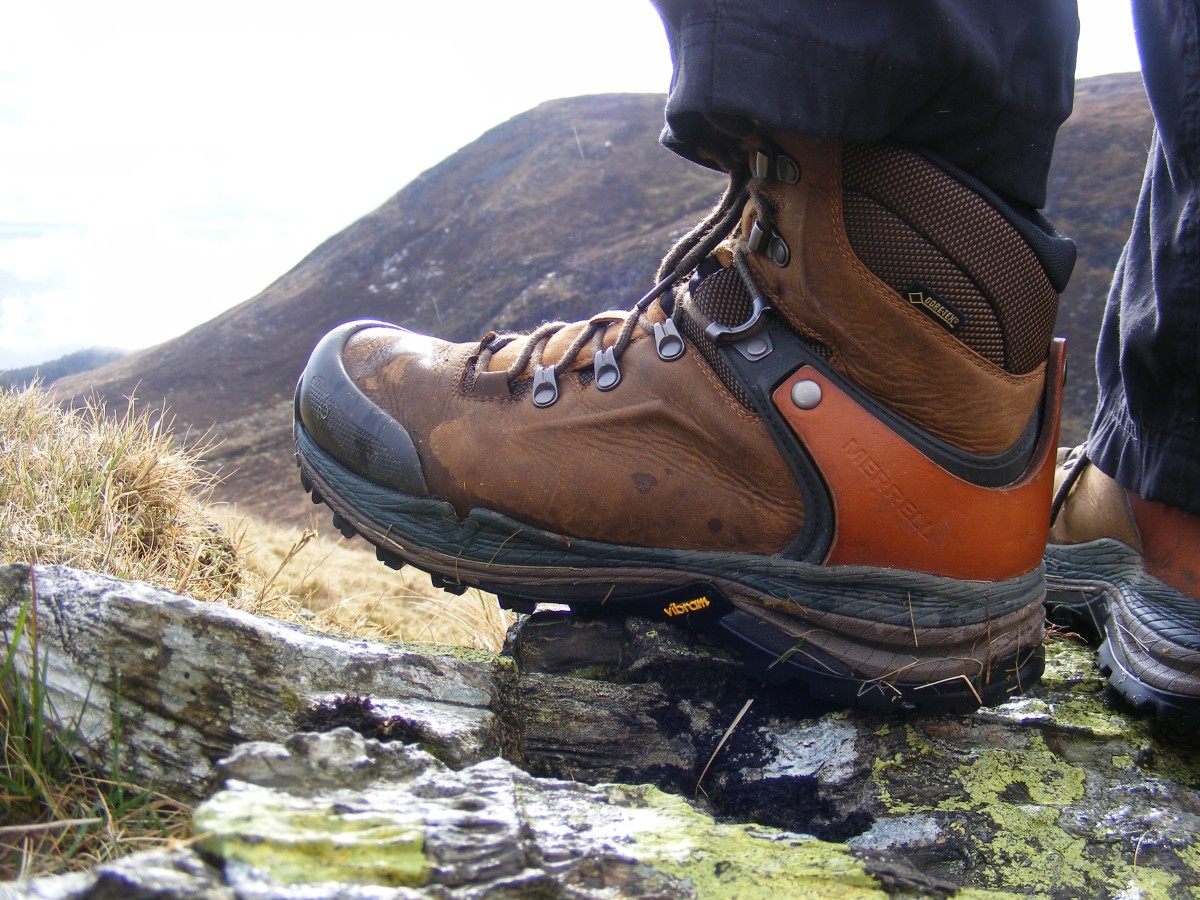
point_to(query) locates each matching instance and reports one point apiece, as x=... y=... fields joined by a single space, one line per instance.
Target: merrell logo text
x=882 y=484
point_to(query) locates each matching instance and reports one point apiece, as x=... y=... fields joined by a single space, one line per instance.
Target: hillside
x=1094 y=181
x=71 y=364
x=561 y=211
x=557 y=213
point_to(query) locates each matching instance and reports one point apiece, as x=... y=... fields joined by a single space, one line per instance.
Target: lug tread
x=1104 y=580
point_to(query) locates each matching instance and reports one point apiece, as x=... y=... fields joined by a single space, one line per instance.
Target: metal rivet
x=778 y=250
x=757 y=346
x=806 y=394
x=786 y=169
x=761 y=166
x=545 y=386
x=667 y=340
x=608 y=373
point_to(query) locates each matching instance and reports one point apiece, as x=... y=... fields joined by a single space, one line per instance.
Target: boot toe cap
x=347 y=424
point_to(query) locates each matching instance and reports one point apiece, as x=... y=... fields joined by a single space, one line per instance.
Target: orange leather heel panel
x=896 y=508
x=1170 y=543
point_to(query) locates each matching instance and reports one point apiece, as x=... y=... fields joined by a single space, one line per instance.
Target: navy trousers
x=985 y=86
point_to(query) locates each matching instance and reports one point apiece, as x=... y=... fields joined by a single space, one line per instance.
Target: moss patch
x=597 y=672
x=299 y=841
x=466 y=654
x=745 y=861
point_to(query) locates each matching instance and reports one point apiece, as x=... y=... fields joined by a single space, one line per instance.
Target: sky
x=161 y=162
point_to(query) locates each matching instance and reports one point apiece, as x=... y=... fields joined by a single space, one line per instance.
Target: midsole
x=1150 y=657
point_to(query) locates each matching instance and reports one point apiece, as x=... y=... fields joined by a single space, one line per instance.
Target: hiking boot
x=1126 y=573
x=832 y=445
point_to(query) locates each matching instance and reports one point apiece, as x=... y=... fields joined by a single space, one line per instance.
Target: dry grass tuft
x=109 y=493
x=337 y=586
x=112 y=494
x=117 y=494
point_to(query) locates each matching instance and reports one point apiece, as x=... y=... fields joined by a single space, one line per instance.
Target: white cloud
x=124 y=285
x=186 y=155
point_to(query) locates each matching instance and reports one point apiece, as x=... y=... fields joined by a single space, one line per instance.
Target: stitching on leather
x=747 y=416
x=890 y=296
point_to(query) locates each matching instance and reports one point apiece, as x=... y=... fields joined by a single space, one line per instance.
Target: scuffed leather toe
x=346 y=424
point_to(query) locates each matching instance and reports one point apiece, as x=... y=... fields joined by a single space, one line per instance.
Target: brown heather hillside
x=558 y=213
x=1094 y=181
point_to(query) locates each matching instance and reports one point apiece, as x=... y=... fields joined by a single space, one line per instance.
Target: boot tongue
x=715 y=294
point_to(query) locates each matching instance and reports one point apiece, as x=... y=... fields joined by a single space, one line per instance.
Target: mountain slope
x=71 y=364
x=1094 y=181
x=558 y=213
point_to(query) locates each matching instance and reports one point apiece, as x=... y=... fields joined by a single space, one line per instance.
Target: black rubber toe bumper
x=345 y=423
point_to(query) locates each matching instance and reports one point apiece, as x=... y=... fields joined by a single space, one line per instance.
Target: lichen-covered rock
x=194 y=679
x=400 y=819
x=337 y=815
x=1063 y=792
x=152 y=875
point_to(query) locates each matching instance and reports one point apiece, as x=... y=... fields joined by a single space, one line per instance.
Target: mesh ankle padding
x=913 y=224
x=721 y=297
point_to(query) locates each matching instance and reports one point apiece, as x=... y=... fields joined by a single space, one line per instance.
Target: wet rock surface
x=492 y=776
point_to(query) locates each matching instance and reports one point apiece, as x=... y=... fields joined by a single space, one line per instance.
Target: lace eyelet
x=668 y=341
x=545 y=387
x=607 y=372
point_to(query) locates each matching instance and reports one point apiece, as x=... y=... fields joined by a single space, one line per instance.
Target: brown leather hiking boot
x=1126 y=573
x=834 y=446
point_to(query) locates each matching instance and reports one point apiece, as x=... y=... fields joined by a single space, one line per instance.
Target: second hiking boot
x=832 y=444
x=1126 y=572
